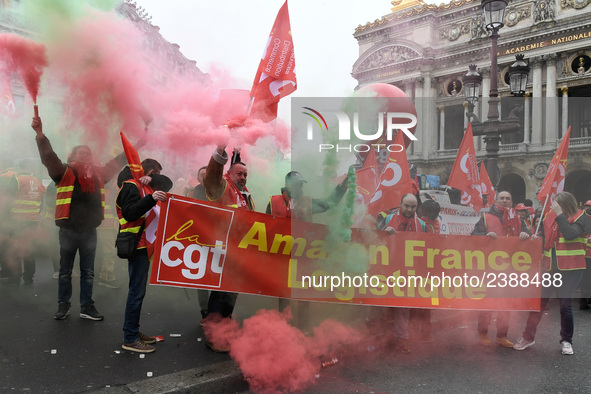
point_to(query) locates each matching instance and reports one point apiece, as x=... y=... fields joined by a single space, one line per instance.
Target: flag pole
x=249 y=106
x=543 y=210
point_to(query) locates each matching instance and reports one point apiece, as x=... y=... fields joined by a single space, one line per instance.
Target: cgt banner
x=205 y=246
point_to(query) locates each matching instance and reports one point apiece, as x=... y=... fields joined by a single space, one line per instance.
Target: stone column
x=526 y=119
x=428 y=116
x=564 y=110
x=441 y=127
x=433 y=131
x=421 y=133
x=537 y=109
x=551 y=122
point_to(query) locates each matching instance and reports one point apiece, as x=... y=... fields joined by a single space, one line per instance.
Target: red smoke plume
x=25 y=56
x=275 y=356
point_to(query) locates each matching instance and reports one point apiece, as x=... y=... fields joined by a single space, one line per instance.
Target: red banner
x=201 y=245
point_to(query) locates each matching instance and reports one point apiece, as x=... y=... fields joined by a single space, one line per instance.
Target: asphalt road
x=41 y=355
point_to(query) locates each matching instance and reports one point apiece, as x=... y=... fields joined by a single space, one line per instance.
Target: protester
x=523 y=213
x=7 y=191
x=26 y=193
x=419 y=324
x=198 y=192
x=79 y=211
x=293 y=203
x=133 y=204
x=227 y=190
x=500 y=221
x=396 y=220
x=585 y=285
x=564 y=260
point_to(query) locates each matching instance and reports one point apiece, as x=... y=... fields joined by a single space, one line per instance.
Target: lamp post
x=493 y=127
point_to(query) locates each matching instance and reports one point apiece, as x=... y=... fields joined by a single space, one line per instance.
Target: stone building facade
x=167 y=63
x=425 y=50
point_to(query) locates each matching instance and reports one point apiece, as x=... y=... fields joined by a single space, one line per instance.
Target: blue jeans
x=138 y=267
x=565 y=293
x=71 y=242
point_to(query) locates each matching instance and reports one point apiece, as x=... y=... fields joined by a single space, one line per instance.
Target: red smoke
x=275 y=356
x=119 y=79
x=25 y=56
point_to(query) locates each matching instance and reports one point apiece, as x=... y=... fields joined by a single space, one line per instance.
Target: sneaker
x=220 y=348
x=109 y=284
x=63 y=310
x=484 y=339
x=138 y=346
x=91 y=313
x=504 y=342
x=523 y=344
x=147 y=339
x=567 y=347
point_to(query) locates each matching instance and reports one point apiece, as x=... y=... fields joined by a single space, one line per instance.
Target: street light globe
x=472 y=82
x=518 y=73
x=494 y=13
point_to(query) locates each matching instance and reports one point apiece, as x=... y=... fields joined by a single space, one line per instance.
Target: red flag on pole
x=135 y=164
x=275 y=77
x=487 y=186
x=554 y=181
x=394 y=181
x=133 y=159
x=464 y=174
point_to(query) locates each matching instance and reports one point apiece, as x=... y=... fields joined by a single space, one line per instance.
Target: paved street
x=88 y=356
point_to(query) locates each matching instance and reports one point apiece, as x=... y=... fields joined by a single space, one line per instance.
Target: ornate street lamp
x=472 y=82
x=518 y=73
x=494 y=13
x=492 y=128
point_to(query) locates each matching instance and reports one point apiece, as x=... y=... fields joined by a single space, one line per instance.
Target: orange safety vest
x=27 y=201
x=493 y=224
x=284 y=206
x=570 y=254
x=232 y=197
x=65 y=189
x=133 y=227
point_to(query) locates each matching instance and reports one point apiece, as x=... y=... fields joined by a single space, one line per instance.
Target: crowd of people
x=79 y=197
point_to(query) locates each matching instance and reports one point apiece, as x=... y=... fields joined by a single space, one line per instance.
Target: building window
x=454 y=126
x=579 y=111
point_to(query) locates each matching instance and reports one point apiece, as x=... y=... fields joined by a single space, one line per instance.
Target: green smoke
x=51 y=16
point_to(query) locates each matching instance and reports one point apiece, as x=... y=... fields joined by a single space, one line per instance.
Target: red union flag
x=394 y=182
x=275 y=76
x=464 y=174
x=554 y=180
x=487 y=186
